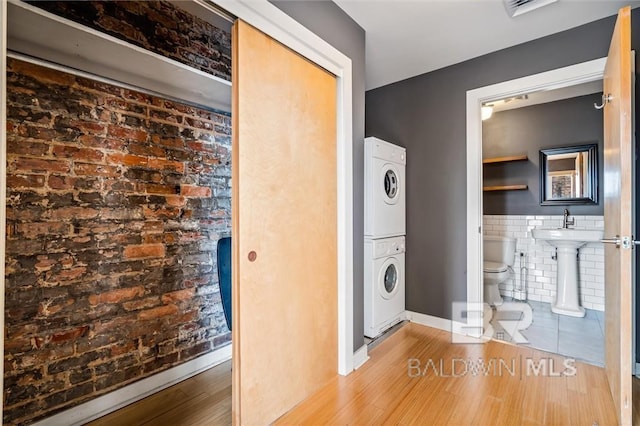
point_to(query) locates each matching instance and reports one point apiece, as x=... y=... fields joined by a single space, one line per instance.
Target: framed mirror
x=569 y=175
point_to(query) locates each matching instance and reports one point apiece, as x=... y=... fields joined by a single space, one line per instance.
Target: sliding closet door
x=284 y=227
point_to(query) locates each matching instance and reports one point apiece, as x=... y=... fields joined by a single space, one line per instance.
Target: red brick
x=144 y=251
x=153 y=188
x=72 y=334
x=32 y=230
x=168 y=142
x=44 y=264
x=195 y=191
x=48 y=308
x=161 y=213
x=178 y=296
x=127 y=159
x=176 y=200
x=85 y=169
x=86 y=154
x=161 y=164
x=25 y=181
x=101 y=142
x=36 y=165
x=42 y=73
x=89 y=127
x=61 y=182
x=200 y=146
x=116 y=296
x=161 y=311
x=70 y=274
x=31 y=149
x=127 y=134
x=136 y=305
x=122 y=349
x=71 y=213
x=147 y=150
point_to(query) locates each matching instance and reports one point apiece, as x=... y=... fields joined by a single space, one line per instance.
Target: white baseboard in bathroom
x=437 y=322
x=360 y=357
x=117 y=399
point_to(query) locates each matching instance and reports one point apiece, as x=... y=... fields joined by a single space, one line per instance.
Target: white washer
x=383 y=284
x=385 y=189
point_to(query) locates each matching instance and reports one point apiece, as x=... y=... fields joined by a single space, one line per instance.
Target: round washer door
x=389 y=278
x=391 y=184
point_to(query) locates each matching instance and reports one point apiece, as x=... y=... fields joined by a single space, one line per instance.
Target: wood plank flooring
x=202 y=400
x=382 y=392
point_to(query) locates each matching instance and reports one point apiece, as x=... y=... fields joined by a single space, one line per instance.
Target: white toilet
x=499 y=256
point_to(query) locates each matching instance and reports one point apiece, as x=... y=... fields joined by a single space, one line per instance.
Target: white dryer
x=384 y=189
x=384 y=289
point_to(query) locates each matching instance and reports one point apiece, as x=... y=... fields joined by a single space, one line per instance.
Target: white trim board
x=360 y=357
x=562 y=77
x=83 y=48
x=436 y=322
x=272 y=21
x=136 y=391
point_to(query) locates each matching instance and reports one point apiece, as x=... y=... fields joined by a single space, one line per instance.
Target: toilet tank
x=499 y=249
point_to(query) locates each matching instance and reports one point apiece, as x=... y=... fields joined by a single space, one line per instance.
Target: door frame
x=555 y=79
x=278 y=25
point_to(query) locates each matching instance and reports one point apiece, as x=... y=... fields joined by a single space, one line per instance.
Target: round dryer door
x=389 y=278
x=391 y=183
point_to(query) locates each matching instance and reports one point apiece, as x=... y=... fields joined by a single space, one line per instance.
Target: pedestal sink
x=567 y=242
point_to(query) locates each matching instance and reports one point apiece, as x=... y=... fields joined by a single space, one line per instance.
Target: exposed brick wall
x=157 y=26
x=115 y=202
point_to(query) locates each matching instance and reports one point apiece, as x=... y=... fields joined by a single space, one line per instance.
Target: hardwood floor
x=382 y=391
x=203 y=400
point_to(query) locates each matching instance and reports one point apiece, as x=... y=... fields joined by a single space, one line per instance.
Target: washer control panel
x=385 y=247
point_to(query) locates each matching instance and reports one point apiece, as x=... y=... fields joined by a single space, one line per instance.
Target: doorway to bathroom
x=616 y=72
x=518 y=129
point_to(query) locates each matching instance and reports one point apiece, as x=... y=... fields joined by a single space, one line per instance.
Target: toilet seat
x=494 y=267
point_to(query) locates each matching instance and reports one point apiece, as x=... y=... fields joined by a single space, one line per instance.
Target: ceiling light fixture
x=486 y=111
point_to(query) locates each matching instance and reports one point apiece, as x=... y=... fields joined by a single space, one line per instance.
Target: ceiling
x=406 y=38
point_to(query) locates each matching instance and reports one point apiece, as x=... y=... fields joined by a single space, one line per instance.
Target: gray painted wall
x=332 y=24
x=426 y=114
x=526 y=131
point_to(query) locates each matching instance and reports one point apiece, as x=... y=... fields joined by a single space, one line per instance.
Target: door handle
x=615 y=241
x=625 y=242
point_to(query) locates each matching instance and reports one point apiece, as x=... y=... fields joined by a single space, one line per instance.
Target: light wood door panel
x=285 y=211
x=618 y=178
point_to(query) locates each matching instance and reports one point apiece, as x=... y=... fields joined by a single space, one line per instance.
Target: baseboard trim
x=360 y=357
x=122 y=397
x=453 y=327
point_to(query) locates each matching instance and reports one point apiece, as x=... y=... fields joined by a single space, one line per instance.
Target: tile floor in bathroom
x=579 y=338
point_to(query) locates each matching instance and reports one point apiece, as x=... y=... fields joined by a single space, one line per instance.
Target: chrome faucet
x=566 y=221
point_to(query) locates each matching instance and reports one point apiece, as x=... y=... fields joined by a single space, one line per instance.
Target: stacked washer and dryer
x=384 y=235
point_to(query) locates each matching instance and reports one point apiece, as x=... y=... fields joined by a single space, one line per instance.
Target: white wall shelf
x=43 y=35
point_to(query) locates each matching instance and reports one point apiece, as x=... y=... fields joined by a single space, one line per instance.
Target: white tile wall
x=537 y=258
